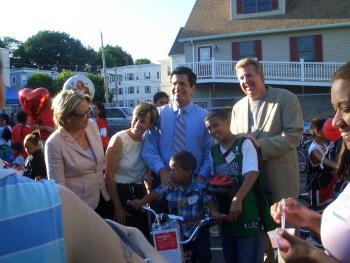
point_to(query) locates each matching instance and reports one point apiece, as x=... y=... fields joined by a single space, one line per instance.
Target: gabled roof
x=213 y=17
x=177 y=48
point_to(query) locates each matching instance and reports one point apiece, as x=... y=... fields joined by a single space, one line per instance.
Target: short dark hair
x=102 y=110
x=192 y=78
x=216 y=113
x=6 y=134
x=21 y=117
x=159 y=95
x=316 y=124
x=17 y=146
x=5 y=117
x=185 y=160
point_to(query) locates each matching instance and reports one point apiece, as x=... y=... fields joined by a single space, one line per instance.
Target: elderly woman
x=125 y=170
x=334 y=225
x=74 y=154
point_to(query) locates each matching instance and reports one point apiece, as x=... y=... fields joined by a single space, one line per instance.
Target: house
x=20 y=76
x=299 y=42
x=133 y=84
x=5 y=58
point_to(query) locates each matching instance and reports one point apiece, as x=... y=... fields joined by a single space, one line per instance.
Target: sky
x=143 y=28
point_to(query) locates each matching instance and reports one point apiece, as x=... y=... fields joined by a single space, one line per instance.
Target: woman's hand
x=120 y=214
x=300 y=250
x=296 y=214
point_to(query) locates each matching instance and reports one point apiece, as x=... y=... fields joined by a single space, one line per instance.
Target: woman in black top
x=34 y=166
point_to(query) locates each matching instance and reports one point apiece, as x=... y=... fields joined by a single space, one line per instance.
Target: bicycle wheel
x=302 y=157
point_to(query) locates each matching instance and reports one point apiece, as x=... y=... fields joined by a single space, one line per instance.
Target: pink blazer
x=71 y=166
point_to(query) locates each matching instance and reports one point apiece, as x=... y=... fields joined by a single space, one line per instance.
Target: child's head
x=17 y=148
x=31 y=142
x=316 y=125
x=218 y=124
x=182 y=165
x=21 y=117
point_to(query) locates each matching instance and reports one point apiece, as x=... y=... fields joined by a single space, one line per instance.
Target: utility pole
x=104 y=71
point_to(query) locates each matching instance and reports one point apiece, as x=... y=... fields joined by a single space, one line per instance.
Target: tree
x=9 y=42
x=42 y=80
x=60 y=80
x=99 y=87
x=141 y=61
x=116 y=56
x=50 y=49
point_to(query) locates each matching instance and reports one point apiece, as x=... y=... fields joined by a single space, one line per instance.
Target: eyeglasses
x=83 y=115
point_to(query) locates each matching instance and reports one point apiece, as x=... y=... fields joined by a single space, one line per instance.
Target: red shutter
x=293 y=49
x=257 y=44
x=318 y=48
x=235 y=51
x=239 y=6
x=274 y=4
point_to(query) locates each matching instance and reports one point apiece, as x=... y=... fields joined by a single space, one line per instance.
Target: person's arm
x=317 y=157
x=136 y=203
x=54 y=162
x=300 y=250
x=292 y=129
x=205 y=167
x=113 y=156
x=81 y=226
x=296 y=214
x=151 y=155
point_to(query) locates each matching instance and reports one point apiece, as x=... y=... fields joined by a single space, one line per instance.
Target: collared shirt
x=158 y=144
x=189 y=204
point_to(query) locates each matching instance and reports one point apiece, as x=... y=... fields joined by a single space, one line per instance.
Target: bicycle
x=167 y=239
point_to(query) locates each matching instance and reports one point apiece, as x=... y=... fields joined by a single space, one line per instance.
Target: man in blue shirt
x=158 y=145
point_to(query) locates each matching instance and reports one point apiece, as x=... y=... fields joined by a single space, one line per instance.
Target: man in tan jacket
x=272 y=118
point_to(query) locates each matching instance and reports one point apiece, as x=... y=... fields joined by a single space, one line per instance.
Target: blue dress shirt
x=158 y=143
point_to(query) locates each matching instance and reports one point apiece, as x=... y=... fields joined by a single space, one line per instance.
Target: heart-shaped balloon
x=33 y=101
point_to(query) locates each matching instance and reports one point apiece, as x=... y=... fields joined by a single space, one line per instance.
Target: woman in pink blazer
x=74 y=154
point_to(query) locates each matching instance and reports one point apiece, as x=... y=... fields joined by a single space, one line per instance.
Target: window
x=308 y=48
x=246 y=49
x=131 y=103
x=255 y=6
x=137 y=90
x=130 y=76
x=13 y=81
x=120 y=91
x=147 y=89
x=157 y=74
x=147 y=75
x=130 y=90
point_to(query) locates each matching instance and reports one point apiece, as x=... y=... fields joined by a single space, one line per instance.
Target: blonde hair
x=64 y=104
x=250 y=61
x=143 y=108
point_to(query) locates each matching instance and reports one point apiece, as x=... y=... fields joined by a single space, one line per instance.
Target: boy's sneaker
x=214 y=230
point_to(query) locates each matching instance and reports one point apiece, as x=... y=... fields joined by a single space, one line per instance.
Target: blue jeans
x=201 y=246
x=243 y=249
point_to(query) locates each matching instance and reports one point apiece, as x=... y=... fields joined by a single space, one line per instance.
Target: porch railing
x=273 y=70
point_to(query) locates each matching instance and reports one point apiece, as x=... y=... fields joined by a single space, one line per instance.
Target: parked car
x=118 y=118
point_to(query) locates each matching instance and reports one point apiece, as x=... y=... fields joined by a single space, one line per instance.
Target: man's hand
x=165 y=178
x=254 y=140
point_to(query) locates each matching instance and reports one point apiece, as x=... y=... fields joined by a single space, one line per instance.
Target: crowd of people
x=181 y=149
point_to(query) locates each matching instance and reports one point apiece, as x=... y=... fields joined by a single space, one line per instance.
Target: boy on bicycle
x=188 y=198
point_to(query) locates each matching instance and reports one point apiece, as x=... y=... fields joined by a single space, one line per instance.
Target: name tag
x=192 y=199
x=230 y=157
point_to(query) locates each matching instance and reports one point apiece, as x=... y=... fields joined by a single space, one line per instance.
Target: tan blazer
x=279 y=131
x=71 y=166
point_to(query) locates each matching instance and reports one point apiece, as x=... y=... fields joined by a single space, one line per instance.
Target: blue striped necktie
x=179 y=143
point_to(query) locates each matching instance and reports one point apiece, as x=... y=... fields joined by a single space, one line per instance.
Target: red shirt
x=46 y=119
x=103 y=130
x=18 y=133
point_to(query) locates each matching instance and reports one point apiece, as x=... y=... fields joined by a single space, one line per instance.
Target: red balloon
x=330 y=132
x=33 y=101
